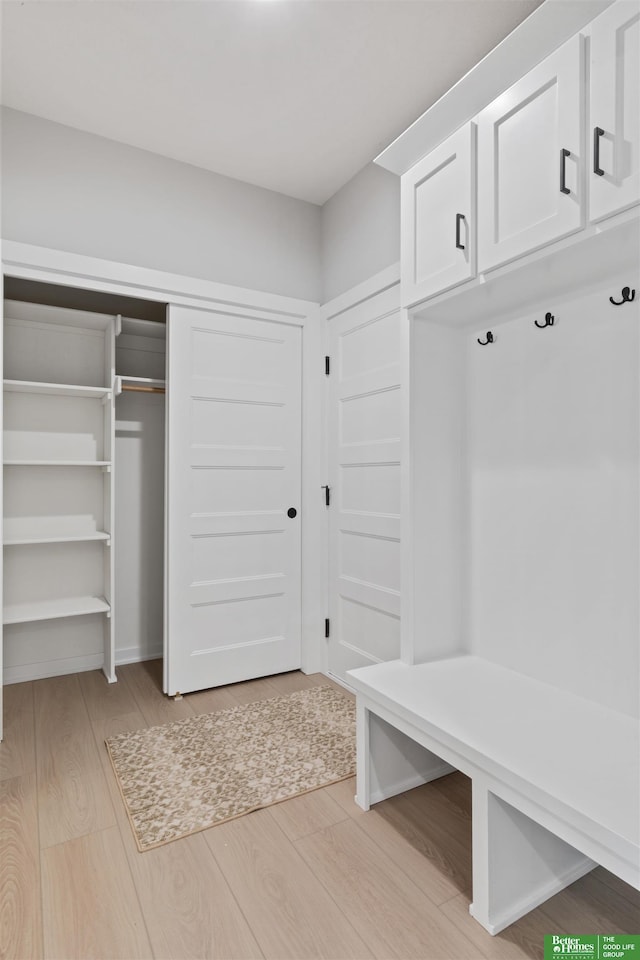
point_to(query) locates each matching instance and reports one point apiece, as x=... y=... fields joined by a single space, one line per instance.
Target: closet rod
x=138 y=388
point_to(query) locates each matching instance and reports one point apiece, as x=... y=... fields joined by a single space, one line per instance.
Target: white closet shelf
x=142 y=381
x=18 y=541
x=58 y=317
x=144 y=328
x=57 y=463
x=53 y=609
x=56 y=389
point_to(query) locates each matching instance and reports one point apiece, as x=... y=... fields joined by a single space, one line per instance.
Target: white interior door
x=233 y=477
x=364 y=468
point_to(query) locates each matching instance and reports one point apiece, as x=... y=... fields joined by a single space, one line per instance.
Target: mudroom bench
x=555 y=776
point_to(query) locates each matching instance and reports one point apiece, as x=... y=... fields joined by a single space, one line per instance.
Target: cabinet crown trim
x=547 y=28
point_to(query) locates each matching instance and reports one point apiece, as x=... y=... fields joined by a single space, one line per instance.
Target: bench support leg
x=517 y=864
x=363 y=760
x=388 y=761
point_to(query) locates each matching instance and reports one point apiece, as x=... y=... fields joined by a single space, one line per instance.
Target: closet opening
x=83 y=472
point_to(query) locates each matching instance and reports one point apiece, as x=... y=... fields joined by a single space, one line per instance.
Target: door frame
x=30 y=262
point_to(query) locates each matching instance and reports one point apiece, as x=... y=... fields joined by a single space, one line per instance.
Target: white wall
x=526 y=489
x=360 y=230
x=70 y=190
x=554 y=488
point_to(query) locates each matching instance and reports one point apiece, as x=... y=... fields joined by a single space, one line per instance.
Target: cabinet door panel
x=523 y=163
x=615 y=110
x=438 y=214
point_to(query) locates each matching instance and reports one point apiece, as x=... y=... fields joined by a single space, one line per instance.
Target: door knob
x=292 y=512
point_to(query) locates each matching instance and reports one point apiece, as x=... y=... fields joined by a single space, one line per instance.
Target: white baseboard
x=409 y=783
x=52 y=668
x=339 y=680
x=135 y=655
x=43 y=669
x=537 y=897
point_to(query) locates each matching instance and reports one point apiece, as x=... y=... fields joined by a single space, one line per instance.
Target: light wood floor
x=311 y=877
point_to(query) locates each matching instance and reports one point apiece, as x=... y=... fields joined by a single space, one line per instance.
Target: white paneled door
x=233 y=499
x=364 y=468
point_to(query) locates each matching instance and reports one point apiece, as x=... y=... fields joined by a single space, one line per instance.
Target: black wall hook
x=489 y=339
x=627 y=296
x=549 y=320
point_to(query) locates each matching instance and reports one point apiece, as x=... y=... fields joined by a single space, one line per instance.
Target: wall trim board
x=27 y=261
x=42 y=264
x=376 y=284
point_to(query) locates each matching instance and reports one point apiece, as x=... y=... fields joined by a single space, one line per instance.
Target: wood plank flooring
x=313 y=877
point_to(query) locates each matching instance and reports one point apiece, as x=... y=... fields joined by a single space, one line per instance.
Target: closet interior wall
x=139 y=486
x=83 y=480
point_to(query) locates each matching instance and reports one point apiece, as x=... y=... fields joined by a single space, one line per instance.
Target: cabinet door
x=530 y=164
x=614 y=177
x=438 y=218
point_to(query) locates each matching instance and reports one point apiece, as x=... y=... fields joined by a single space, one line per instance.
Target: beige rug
x=185 y=776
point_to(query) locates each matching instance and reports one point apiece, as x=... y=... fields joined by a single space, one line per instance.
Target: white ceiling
x=292 y=95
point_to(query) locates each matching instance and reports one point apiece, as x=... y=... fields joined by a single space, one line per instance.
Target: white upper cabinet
x=530 y=160
x=614 y=176
x=438 y=218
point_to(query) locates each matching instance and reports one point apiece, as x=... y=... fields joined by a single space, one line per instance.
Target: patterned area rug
x=186 y=776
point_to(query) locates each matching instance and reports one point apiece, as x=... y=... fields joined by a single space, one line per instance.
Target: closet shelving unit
x=59 y=368
x=140 y=347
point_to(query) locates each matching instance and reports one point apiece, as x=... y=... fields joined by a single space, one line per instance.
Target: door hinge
x=327 y=366
x=326 y=628
x=327 y=494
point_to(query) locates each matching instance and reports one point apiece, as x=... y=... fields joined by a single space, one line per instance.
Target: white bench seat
x=568 y=765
